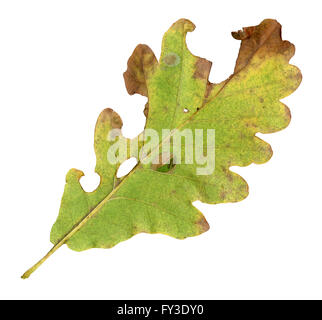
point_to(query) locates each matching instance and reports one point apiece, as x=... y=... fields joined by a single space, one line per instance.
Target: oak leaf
x=158 y=199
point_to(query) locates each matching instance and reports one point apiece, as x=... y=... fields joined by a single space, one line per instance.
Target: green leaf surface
x=158 y=199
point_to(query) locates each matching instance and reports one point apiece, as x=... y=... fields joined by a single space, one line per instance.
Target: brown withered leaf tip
x=140 y=65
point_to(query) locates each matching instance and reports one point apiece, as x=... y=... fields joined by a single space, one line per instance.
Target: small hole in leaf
x=185 y=110
x=90 y=182
x=126 y=167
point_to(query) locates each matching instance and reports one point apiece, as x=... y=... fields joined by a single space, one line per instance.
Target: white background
x=61 y=63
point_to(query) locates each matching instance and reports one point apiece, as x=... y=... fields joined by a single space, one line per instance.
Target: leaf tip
x=74 y=175
x=110 y=115
x=202 y=225
x=185 y=24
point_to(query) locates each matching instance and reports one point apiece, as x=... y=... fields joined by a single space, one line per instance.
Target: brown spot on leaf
x=203 y=67
x=203 y=224
x=229 y=176
x=223 y=195
x=146 y=109
x=171 y=59
x=208 y=89
x=288 y=115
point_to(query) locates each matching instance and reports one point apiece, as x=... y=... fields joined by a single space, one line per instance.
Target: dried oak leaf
x=180 y=96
